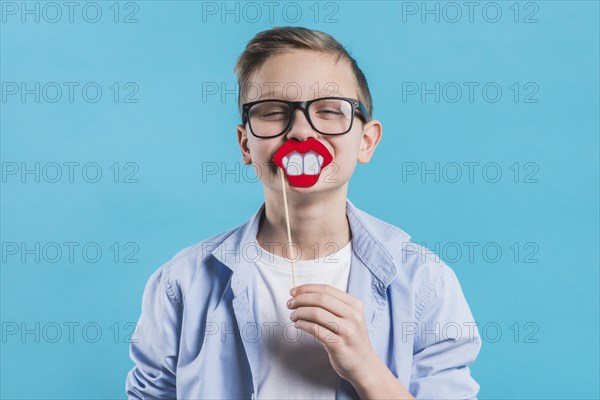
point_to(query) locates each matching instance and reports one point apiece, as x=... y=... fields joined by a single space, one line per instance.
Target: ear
x=243 y=142
x=370 y=138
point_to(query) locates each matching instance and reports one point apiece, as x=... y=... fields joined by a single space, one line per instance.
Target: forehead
x=302 y=75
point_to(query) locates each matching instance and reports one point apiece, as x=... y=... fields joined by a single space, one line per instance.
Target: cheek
x=260 y=148
x=262 y=151
x=346 y=151
x=346 y=158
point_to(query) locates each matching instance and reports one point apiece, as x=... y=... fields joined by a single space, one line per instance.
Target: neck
x=318 y=224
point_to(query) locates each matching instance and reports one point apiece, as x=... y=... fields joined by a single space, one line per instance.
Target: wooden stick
x=287 y=222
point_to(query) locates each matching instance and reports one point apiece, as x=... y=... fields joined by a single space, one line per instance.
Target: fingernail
x=292 y=315
x=293 y=291
x=290 y=302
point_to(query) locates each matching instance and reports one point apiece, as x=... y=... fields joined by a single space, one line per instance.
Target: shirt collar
x=239 y=250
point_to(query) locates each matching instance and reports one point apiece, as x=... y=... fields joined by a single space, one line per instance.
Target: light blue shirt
x=198 y=336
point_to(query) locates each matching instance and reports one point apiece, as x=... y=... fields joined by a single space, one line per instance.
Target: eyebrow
x=280 y=97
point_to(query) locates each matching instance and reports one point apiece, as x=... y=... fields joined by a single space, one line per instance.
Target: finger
x=328 y=289
x=323 y=333
x=330 y=303
x=317 y=315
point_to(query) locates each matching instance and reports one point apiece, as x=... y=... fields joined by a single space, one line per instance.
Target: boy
x=374 y=318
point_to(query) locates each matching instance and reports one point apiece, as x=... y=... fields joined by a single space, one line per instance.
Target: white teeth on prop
x=297 y=164
x=294 y=166
x=311 y=164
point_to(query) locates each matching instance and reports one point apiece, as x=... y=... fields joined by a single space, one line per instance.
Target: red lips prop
x=302 y=162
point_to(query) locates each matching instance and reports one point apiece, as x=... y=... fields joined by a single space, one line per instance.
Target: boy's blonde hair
x=283 y=38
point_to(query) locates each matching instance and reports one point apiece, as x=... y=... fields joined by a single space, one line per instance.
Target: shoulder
x=390 y=237
x=199 y=251
x=394 y=242
x=189 y=265
x=418 y=269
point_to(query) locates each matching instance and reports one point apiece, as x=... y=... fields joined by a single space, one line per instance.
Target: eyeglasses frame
x=304 y=105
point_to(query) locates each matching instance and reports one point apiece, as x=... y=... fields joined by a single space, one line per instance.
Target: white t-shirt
x=294 y=364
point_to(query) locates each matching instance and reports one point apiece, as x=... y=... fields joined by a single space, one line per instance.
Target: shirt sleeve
x=446 y=343
x=155 y=343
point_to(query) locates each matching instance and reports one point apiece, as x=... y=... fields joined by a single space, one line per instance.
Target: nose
x=300 y=129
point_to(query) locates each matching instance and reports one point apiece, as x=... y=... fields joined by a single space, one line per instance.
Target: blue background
x=547 y=310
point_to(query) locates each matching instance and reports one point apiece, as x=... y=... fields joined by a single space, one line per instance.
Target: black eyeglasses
x=326 y=115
